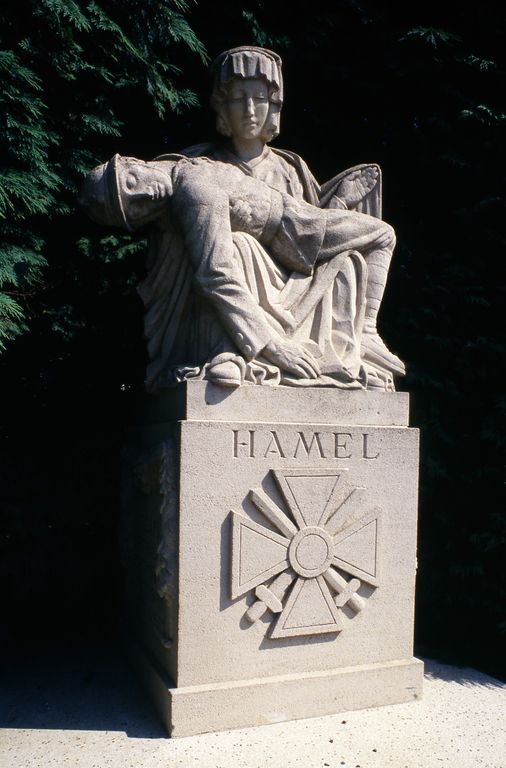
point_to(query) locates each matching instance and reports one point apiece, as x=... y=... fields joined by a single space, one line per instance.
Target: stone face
x=295 y=563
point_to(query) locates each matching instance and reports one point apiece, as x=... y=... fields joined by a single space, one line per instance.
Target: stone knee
x=386 y=237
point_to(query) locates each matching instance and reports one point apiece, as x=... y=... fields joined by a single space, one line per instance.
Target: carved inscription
x=302 y=444
x=324 y=548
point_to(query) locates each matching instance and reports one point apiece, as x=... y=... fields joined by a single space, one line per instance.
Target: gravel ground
x=86 y=711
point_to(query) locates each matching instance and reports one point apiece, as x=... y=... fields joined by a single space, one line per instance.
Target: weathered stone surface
x=212 y=205
x=385 y=510
x=263 y=701
x=295 y=564
x=257 y=274
x=203 y=400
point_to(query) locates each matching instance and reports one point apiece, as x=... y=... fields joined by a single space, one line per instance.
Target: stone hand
x=292 y=358
x=356 y=185
x=241 y=215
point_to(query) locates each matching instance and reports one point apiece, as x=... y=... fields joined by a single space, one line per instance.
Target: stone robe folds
x=186 y=338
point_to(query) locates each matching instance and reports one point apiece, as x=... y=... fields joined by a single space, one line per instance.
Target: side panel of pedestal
x=149 y=544
x=357 y=483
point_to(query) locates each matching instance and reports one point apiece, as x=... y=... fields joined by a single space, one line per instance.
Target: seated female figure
x=336 y=312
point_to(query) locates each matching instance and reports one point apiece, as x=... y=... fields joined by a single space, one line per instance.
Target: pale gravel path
x=87 y=712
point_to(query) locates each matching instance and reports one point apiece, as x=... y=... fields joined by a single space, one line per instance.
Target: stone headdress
x=247 y=61
x=100 y=195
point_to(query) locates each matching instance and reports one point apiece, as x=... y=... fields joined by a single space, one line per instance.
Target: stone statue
x=290 y=511
x=256 y=274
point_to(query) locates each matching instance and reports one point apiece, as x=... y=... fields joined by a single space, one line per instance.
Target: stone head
x=125 y=192
x=247 y=93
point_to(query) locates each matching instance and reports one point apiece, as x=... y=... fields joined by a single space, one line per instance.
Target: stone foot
x=374 y=350
x=225 y=374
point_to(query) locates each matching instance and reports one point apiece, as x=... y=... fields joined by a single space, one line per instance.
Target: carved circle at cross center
x=311 y=551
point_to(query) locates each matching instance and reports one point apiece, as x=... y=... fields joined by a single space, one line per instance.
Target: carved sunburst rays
x=297 y=570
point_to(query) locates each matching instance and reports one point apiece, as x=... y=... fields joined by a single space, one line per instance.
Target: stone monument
x=270 y=486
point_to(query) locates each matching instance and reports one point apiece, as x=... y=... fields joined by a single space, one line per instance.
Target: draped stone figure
x=322 y=321
x=258 y=524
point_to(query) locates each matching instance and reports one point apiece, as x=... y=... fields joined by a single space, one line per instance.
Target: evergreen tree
x=67 y=68
x=79 y=80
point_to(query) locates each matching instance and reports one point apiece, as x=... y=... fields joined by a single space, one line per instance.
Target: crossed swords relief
x=314 y=563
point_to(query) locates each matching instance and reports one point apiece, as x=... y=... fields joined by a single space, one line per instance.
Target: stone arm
x=356 y=189
x=204 y=217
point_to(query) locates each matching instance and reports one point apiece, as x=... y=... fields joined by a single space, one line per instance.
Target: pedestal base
x=261 y=701
x=271 y=553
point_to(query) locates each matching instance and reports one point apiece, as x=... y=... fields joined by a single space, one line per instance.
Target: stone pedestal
x=270 y=536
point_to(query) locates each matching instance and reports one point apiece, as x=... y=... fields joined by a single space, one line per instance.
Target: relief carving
x=302 y=444
x=326 y=544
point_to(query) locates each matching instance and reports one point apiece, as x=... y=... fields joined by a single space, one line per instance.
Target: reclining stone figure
x=211 y=205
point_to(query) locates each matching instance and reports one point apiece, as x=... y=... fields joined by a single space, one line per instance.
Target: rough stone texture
x=291 y=588
x=187 y=711
x=269 y=305
x=203 y=400
x=256 y=273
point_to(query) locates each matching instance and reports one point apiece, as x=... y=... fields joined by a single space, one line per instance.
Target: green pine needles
x=65 y=66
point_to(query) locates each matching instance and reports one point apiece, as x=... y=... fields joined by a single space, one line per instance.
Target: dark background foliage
x=419 y=88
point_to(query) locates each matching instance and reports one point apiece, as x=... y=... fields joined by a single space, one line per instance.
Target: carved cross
x=315 y=561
